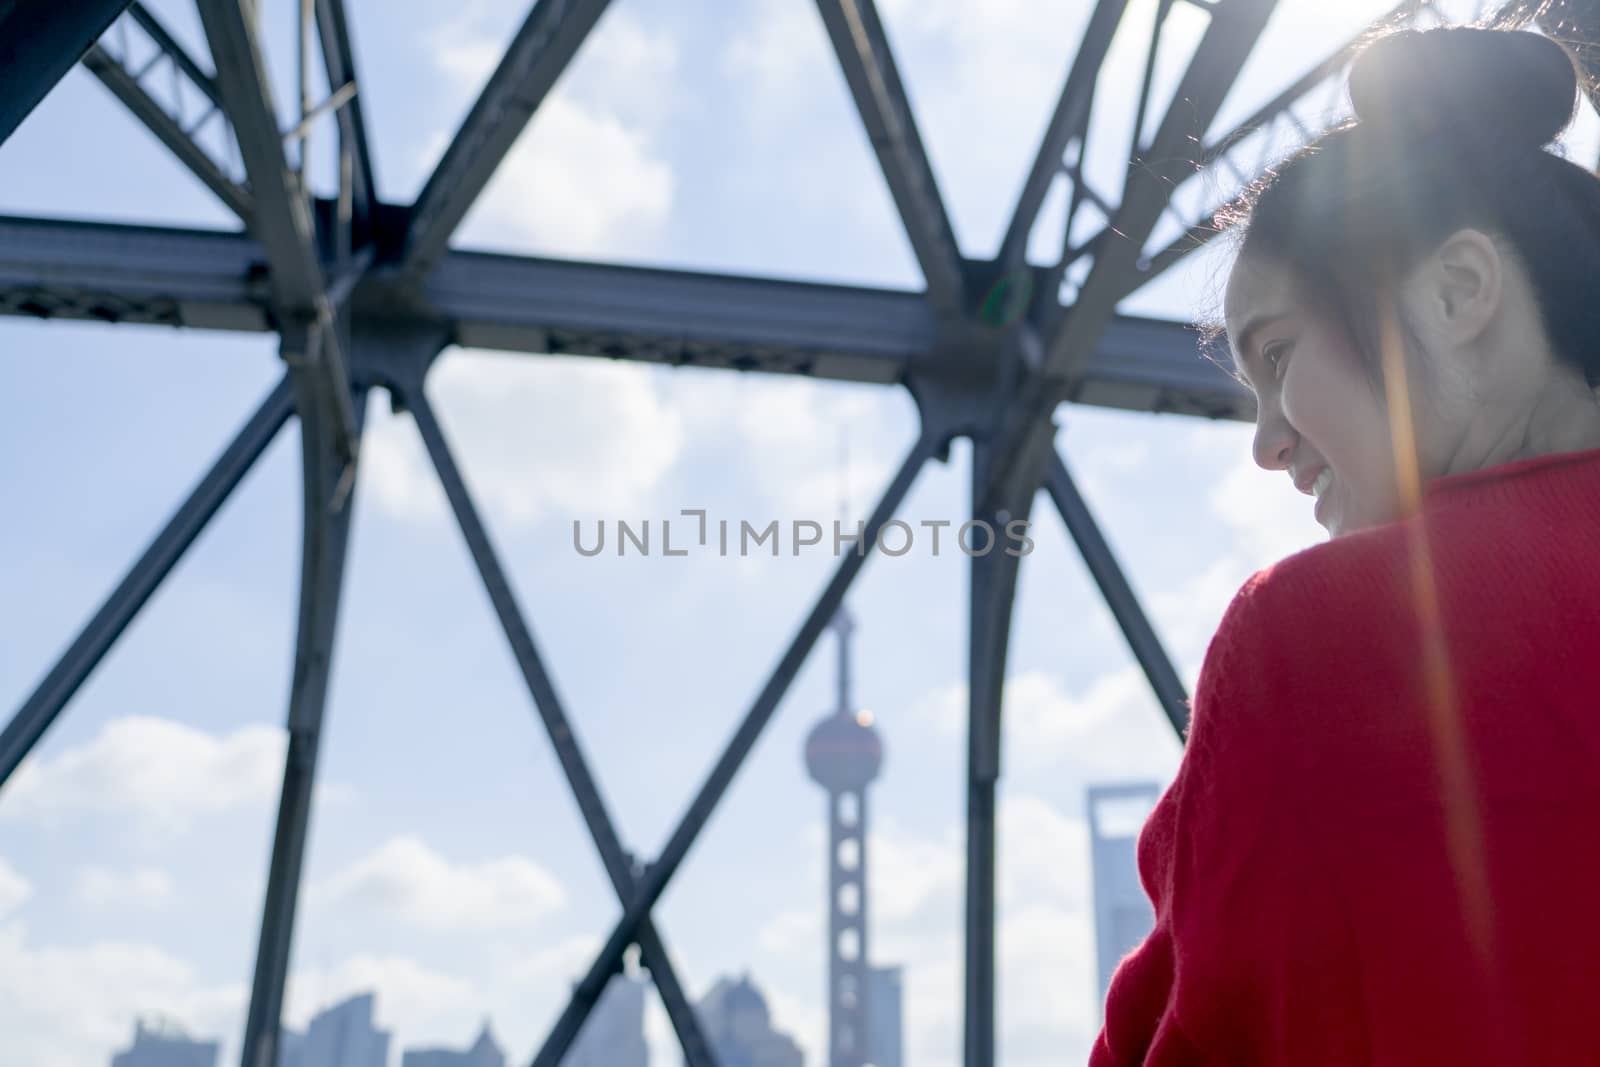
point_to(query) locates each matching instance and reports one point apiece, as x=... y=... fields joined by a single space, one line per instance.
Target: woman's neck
x=1563 y=416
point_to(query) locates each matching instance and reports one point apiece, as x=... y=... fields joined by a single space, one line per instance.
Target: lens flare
x=1462 y=820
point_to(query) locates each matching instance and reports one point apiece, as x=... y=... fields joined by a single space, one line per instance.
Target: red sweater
x=1383 y=843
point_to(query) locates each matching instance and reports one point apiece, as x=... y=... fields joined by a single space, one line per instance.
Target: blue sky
x=448 y=868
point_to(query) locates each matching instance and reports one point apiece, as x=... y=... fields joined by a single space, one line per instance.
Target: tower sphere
x=844 y=751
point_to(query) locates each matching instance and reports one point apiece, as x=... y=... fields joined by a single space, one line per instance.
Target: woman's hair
x=1449 y=132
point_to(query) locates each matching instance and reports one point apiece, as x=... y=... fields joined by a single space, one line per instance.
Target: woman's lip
x=1321 y=505
x=1304 y=483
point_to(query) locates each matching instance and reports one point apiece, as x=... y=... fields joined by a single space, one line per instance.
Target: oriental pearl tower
x=844 y=755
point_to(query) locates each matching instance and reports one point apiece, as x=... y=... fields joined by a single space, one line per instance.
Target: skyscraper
x=739 y=1028
x=884 y=1037
x=844 y=754
x=341 y=1036
x=1122 y=913
x=485 y=1052
x=613 y=1036
x=159 y=1043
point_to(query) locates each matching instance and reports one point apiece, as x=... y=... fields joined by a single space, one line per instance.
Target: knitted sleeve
x=1249 y=940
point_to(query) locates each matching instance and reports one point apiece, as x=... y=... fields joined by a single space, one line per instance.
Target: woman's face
x=1320 y=416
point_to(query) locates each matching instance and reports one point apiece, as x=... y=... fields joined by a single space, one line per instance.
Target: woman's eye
x=1274 y=355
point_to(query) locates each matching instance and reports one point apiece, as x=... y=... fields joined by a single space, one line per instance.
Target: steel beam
x=103 y=272
x=116 y=74
x=1119 y=596
x=285 y=228
x=175 y=52
x=591 y=805
x=39 y=711
x=325 y=540
x=680 y=316
x=1069 y=121
x=40 y=40
x=992 y=596
x=1219 y=152
x=284 y=224
x=868 y=63
x=534 y=61
x=338 y=56
x=1235 y=26
x=650 y=887
x=116 y=273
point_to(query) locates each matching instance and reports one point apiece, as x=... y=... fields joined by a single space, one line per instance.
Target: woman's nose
x=1274 y=442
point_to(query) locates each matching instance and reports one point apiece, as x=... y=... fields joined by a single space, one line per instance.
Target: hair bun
x=1503 y=87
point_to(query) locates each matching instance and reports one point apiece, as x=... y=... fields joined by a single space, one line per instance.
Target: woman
x=1383 y=844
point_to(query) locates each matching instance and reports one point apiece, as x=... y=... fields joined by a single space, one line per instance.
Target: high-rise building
x=739 y=1028
x=484 y=1052
x=1122 y=914
x=613 y=1036
x=159 y=1043
x=341 y=1036
x=843 y=755
x=884 y=1008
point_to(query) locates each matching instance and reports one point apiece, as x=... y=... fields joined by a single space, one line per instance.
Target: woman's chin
x=1326 y=514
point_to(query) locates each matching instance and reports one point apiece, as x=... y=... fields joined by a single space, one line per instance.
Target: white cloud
x=467 y=59
x=806 y=445
x=14 y=889
x=630 y=67
x=409 y=993
x=541 y=438
x=408 y=880
x=1045 y=853
x=794 y=930
x=64 y=1006
x=779 y=55
x=1110 y=729
x=1262 y=519
x=622 y=61
x=1269 y=516
x=556 y=964
x=1047 y=978
x=579 y=183
x=1187 y=615
x=584 y=179
x=910 y=875
x=106 y=888
x=160 y=773
x=534 y=438
x=1043 y=931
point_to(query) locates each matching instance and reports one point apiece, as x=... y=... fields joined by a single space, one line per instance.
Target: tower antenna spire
x=843 y=622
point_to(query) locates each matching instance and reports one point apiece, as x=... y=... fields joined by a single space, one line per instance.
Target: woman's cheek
x=1291 y=397
x=1305 y=392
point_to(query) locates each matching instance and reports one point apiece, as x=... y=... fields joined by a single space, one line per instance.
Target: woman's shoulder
x=1345 y=574
x=1301 y=623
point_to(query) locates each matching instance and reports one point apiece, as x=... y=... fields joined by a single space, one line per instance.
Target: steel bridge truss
x=365 y=295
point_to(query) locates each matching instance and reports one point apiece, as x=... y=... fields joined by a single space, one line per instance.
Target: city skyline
x=843 y=753
x=733 y=1012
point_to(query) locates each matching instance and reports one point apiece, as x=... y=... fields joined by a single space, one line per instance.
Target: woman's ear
x=1460 y=287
